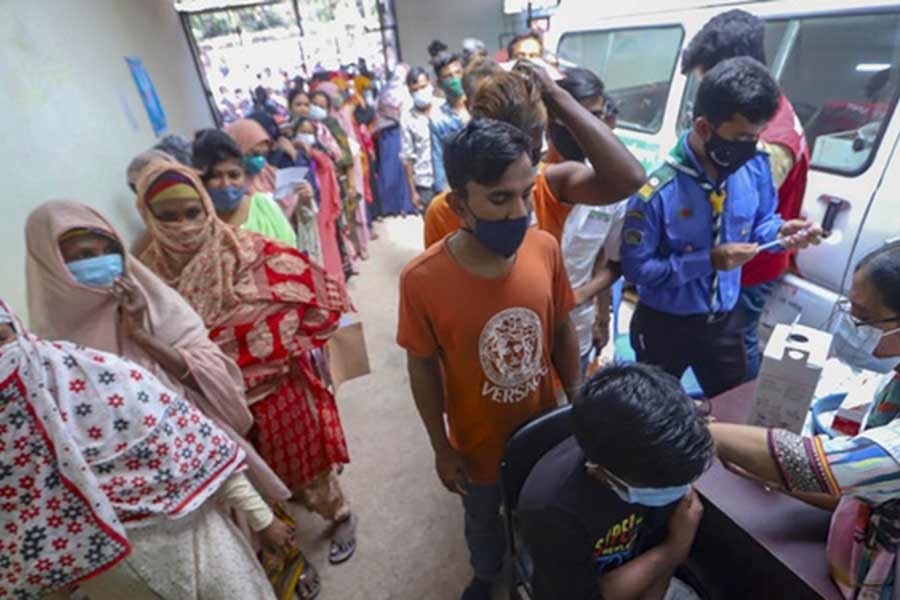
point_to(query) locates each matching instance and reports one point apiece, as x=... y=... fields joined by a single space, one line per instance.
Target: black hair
x=177 y=146
x=322 y=93
x=882 y=268
x=636 y=421
x=414 y=74
x=212 y=146
x=436 y=47
x=296 y=91
x=525 y=35
x=727 y=35
x=442 y=60
x=582 y=84
x=267 y=122
x=482 y=151
x=735 y=86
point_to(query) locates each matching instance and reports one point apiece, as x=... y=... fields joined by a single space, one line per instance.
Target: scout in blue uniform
x=701 y=216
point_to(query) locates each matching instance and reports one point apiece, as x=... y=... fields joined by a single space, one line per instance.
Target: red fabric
x=298 y=441
x=329 y=212
x=784 y=129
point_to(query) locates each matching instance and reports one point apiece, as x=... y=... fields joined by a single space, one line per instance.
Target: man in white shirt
x=415 y=151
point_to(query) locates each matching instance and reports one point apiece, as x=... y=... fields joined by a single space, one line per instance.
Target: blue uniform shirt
x=667 y=236
x=442 y=126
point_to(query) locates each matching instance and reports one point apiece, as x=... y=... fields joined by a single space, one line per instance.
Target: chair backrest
x=527 y=445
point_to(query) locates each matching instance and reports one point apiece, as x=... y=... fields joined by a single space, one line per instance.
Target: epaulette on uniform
x=657 y=180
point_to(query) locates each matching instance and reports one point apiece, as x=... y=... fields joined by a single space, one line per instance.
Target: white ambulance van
x=839 y=64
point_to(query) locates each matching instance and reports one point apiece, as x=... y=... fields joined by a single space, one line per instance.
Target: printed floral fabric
x=91 y=444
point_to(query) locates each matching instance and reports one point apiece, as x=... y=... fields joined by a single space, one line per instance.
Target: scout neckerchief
x=679 y=159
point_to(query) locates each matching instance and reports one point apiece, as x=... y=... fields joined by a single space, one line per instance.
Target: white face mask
x=854 y=344
x=423 y=98
x=317 y=113
x=307 y=139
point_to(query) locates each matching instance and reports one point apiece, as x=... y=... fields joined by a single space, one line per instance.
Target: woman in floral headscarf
x=110 y=480
x=267 y=307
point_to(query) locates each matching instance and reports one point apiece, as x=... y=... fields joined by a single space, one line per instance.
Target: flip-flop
x=343 y=544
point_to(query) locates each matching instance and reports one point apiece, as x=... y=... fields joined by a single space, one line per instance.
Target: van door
x=637 y=66
x=841 y=74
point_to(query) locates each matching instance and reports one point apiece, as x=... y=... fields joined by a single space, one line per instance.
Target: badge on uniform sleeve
x=648 y=188
x=633 y=236
x=634 y=214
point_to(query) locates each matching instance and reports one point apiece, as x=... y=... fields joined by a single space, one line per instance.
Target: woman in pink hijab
x=84 y=287
x=255 y=145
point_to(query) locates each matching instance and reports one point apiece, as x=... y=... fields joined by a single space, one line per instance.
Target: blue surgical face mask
x=228 y=198
x=501 y=237
x=97 y=271
x=646 y=496
x=317 y=113
x=254 y=164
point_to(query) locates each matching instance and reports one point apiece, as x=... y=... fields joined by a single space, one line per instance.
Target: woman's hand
x=132 y=305
x=305 y=194
x=278 y=538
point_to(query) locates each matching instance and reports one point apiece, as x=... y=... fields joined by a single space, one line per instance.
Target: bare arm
x=566 y=358
x=747 y=447
x=615 y=173
x=604 y=275
x=411 y=180
x=427 y=385
x=647 y=576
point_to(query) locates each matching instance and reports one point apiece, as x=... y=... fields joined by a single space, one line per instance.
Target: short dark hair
x=477 y=71
x=727 y=35
x=482 y=151
x=293 y=94
x=212 y=146
x=323 y=94
x=442 y=60
x=581 y=84
x=737 y=86
x=412 y=77
x=636 y=421
x=882 y=268
x=530 y=34
x=436 y=47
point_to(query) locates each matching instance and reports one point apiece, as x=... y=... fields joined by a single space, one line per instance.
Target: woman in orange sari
x=268 y=307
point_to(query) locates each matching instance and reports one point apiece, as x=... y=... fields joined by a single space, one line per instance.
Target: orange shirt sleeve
x=440 y=220
x=414 y=330
x=551 y=213
x=564 y=297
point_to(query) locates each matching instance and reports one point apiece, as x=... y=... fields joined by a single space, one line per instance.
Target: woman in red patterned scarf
x=109 y=480
x=268 y=308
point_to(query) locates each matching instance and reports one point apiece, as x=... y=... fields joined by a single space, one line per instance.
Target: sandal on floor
x=343 y=544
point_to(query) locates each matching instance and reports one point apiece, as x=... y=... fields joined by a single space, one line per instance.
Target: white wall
x=70 y=115
x=451 y=21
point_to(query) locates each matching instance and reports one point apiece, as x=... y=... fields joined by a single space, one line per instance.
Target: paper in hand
x=286 y=180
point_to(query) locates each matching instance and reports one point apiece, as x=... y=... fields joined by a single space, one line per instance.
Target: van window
x=846 y=107
x=636 y=66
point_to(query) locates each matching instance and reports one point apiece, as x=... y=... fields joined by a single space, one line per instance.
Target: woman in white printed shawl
x=110 y=480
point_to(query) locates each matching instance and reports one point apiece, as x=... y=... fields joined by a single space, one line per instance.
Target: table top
x=792 y=531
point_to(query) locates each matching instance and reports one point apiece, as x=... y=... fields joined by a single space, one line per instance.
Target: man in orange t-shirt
x=484 y=317
x=526 y=99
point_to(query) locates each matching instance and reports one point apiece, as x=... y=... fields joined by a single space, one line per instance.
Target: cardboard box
x=792 y=363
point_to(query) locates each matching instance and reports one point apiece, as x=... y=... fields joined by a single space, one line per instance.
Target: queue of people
x=543 y=210
x=167 y=401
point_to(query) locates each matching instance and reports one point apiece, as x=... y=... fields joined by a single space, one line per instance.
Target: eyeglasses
x=845 y=306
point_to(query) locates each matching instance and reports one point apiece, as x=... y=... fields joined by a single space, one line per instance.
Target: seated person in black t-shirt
x=610 y=513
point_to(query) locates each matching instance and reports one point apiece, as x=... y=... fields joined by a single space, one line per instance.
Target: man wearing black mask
x=697 y=220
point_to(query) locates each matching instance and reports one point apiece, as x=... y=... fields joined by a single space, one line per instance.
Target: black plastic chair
x=526 y=446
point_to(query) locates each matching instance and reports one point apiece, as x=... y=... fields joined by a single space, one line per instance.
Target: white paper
x=286 y=180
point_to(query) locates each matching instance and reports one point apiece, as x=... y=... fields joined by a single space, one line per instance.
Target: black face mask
x=727 y=155
x=565 y=142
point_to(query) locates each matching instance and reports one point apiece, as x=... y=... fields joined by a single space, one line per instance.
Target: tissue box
x=792 y=363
